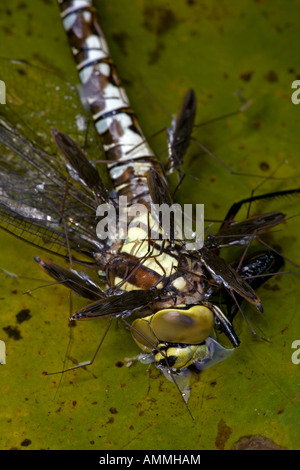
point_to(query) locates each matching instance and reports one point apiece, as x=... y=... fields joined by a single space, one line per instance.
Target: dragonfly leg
x=234 y=209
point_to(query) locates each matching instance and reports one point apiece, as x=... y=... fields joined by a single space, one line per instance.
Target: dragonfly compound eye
x=172 y=325
x=190 y=326
x=143 y=335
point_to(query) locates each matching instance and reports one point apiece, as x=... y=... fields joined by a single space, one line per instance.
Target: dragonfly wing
x=37 y=205
x=225 y=275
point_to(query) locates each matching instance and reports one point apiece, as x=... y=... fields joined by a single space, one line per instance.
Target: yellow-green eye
x=191 y=326
x=146 y=340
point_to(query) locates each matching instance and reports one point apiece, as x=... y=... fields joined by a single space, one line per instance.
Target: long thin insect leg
x=245 y=251
x=259 y=185
x=272 y=249
x=68 y=347
x=87 y=363
x=246 y=319
x=234 y=209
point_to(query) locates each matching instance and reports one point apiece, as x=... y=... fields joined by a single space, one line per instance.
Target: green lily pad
x=161 y=50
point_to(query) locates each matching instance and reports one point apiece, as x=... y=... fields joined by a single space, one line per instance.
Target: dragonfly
x=182 y=302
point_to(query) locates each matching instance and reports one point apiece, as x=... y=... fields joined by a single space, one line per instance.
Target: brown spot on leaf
x=26 y=443
x=274 y=287
x=264 y=166
x=21 y=72
x=155 y=54
x=257 y=124
x=256 y=443
x=246 y=76
x=158 y=19
x=23 y=315
x=119 y=364
x=22 y=6
x=121 y=39
x=224 y=432
x=13 y=332
x=271 y=76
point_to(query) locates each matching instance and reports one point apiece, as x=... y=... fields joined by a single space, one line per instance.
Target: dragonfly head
x=175 y=336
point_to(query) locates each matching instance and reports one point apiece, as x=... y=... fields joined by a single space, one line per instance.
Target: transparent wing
x=38 y=201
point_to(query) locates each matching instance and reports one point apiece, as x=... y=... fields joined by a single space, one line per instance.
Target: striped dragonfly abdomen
x=122 y=138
